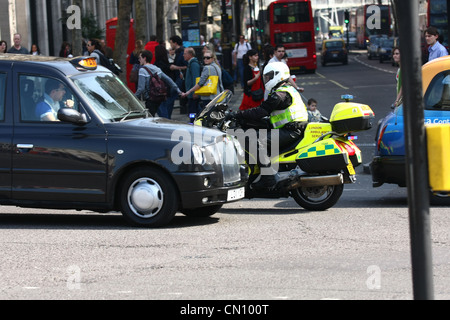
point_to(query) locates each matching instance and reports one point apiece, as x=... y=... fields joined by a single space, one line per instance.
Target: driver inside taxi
x=47 y=108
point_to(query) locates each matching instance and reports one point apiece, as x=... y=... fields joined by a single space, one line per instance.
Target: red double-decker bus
x=290 y=23
x=380 y=15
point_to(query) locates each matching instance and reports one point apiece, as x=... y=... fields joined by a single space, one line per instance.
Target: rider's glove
x=230 y=115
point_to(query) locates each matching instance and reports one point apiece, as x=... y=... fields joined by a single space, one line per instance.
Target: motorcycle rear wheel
x=317 y=198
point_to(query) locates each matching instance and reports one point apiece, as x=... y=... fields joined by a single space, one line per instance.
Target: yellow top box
x=188 y=1
x=348 y=110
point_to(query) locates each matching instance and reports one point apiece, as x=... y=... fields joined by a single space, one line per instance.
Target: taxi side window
x=28 y=98
x=42 y=97
x=2 y=95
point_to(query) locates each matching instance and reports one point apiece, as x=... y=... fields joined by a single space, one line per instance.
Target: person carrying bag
x=148 y=75
x=210 y=81
x=253 y=85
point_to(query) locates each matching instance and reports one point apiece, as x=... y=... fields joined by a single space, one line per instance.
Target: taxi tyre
x=307 y=197
x=439 y=199
x=148 y=197
x=201 y=212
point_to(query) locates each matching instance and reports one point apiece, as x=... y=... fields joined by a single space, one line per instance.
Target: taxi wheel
x=439 y=199
x=148 y=198
x=317 y=198
x=201 y=212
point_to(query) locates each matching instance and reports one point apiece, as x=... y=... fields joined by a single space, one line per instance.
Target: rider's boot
x=268 y=179
x=265 y=181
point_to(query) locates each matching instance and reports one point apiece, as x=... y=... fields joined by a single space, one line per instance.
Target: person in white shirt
x=278 y=56
x=240 y=49
x=435 y=49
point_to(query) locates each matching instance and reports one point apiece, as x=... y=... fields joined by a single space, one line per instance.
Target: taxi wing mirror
x=73 y=116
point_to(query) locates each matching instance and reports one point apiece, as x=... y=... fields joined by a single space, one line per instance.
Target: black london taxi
x=73 y=136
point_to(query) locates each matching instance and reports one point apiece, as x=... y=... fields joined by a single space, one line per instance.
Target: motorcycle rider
x=287 y=112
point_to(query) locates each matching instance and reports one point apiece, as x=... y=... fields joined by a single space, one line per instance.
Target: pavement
x=234 y=104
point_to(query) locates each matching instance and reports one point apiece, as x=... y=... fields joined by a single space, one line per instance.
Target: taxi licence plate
x=351 y=170
x=236 y=194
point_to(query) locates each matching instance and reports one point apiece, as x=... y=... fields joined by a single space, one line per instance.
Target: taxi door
x=52 y=160
x=5 y=133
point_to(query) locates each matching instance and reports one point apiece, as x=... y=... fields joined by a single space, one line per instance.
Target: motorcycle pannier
x=350 y=117
x=322 y=156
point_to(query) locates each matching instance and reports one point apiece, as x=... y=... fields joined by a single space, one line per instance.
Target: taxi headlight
x=208 y=154
x=239 y=150
x=197 y=153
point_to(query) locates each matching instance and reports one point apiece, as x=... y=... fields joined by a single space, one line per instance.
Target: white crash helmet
x=274 y=73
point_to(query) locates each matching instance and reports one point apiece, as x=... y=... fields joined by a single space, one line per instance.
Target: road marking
x=338 y=84
x=320 y=75
x=318 y=83
x=332 y=81
x=373 y=67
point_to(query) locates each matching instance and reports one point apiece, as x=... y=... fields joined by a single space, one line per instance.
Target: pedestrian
x=95 y=50
x=17 y=47
x=144 y=81
x=3 y=46
x=208 y=46
x=179 y=67
x=240 y=49
x=192 y=73
x=280 y=56
x=435 y=49
x=109 y=53
x=35 y=51
x=172 y=55
x=134 y=61
x=162 y=62
x=314 y=114
x=151 y=45
x=398 y=77
x=253 y=84
x=65 y=50
x=211 y=68
x=268 y=54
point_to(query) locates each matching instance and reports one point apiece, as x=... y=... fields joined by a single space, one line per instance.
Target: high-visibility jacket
x=295 y=112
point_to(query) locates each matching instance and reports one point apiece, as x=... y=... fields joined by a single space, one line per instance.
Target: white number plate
x=297 y=53
x=236 y=194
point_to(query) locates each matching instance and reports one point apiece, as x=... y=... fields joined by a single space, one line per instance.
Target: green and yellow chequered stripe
x=324 y=149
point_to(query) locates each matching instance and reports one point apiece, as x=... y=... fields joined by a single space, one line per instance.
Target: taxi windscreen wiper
x=123 y=116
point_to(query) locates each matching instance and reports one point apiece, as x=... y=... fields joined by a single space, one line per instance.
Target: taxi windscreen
x=438 y=92
x=109 y=97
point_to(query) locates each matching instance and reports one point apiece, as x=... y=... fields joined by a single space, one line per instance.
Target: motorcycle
x=315 y=168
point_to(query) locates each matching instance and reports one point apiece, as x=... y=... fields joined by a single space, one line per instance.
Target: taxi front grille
x=229 y=161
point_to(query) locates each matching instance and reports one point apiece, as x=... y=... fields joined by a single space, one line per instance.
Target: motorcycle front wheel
x=317 y=198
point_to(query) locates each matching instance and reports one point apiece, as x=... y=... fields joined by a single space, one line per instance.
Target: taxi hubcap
x=145 y=197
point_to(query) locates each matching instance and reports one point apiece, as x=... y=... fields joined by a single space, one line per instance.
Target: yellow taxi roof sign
x=86 y=63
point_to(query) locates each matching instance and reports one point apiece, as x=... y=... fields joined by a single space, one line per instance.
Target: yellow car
x=334 y=50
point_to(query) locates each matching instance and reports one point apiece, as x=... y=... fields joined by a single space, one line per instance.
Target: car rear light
x=380 y=137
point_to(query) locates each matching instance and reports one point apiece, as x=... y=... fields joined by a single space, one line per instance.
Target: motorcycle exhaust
x=317 y=181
